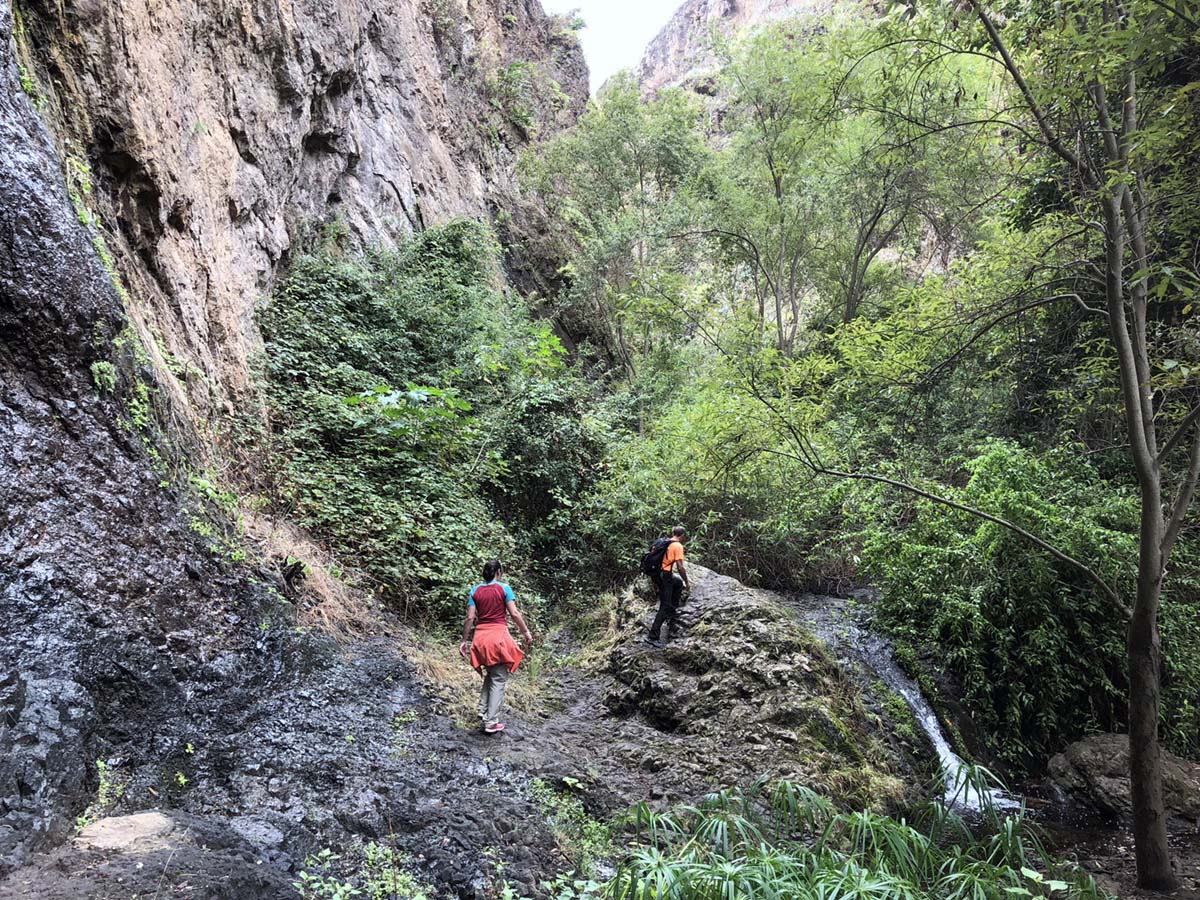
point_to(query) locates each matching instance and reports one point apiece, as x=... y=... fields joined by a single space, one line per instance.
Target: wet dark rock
x=147 y=854
x=124 y=642
x=41 y=760
x=1094 y=772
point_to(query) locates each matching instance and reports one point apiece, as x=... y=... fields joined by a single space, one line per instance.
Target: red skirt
x=493 y=644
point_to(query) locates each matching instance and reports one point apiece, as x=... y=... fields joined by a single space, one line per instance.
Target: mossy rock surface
x=756 y=694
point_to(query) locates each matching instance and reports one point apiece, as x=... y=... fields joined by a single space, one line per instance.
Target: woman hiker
x=493 y=653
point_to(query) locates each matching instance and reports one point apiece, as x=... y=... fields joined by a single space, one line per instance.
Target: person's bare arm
x=526 y=634
x=465 y=647
x=683 y=573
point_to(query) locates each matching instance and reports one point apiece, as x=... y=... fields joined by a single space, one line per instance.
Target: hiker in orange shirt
x=492 y=651
x=672 y=581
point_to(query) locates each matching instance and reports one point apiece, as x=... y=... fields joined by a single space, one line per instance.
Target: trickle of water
x=833 y=620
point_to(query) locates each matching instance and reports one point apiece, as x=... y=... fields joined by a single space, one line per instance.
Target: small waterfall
x=835 y=621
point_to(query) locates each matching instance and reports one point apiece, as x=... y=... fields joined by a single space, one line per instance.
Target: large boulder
x=745 y=690
x=1095 y=772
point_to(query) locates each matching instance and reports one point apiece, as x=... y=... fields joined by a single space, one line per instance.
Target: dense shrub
x=1038 y=651
x=757 y=517
x=418 y=412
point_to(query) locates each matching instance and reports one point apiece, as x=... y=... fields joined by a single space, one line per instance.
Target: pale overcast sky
x=617 y=30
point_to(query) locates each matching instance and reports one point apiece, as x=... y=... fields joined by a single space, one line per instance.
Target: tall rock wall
x=97 y=564
x=161 y=160
x=219 y=134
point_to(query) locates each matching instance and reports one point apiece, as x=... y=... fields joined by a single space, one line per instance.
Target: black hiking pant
x=670 y=589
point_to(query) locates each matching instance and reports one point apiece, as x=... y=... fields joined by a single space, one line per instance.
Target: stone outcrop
x=682 y=52
x=219 y=136
x=138 y=856
x=747 y=690
x=1095 y=772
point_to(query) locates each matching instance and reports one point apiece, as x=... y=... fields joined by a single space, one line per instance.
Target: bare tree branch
x=1184 y=500
x=1039 y=114
x=1178 y=435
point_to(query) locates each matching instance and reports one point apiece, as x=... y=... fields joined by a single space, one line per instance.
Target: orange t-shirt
x=673 y=555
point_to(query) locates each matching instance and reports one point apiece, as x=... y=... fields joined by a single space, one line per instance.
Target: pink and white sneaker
x=494 y=729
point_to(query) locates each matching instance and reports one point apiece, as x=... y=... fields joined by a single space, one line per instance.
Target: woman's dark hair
x=491 y=569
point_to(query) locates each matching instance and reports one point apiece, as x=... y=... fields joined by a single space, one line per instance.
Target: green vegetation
x=79 y=189
x=373 y=871
x=512 y=93
x=29 y=86
x=899 y=713
x=587 y=841
x=422 y=421
x=24 y=59
x=109 y=791
x=104 y=374
x=201 y=526
x=525 y=96
x=727 y=847
x=783 y=840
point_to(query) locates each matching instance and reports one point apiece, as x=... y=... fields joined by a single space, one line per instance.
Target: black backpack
x=652 y=559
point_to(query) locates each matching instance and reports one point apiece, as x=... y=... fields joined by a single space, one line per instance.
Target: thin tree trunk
x=1145 y=658
x=1142 y=641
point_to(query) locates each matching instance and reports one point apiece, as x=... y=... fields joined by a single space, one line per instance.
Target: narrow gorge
x=308 y=310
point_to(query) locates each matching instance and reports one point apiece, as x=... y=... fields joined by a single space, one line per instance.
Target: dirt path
x=301 y=745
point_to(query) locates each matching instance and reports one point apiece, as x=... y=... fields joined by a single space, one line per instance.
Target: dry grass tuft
x=456 y=685
x=326 y=595
x=599 y=628
x=532 y=690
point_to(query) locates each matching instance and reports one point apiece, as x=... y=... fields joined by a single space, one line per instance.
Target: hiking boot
x=653 y=641
x=493 y=729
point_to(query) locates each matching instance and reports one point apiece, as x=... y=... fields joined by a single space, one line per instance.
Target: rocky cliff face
x=682 y=52
x=219 y=135
x=161 y=160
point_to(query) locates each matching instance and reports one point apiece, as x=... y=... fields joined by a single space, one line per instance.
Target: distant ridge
x=681 y=52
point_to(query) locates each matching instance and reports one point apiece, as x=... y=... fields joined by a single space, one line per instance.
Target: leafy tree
x=1106 y=89
x=611 y=184
x=826 y=169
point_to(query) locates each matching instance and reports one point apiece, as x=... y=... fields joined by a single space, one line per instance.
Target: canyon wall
x=210 y=139
x=161 y=162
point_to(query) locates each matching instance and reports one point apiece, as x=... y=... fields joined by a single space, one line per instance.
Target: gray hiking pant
x=491 y=695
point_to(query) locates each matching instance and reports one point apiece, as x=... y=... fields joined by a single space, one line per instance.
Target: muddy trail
x=294 y=743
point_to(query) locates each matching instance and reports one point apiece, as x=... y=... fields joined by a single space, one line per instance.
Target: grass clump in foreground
x=372 y=871
x=784 y=840
x=588 y=841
